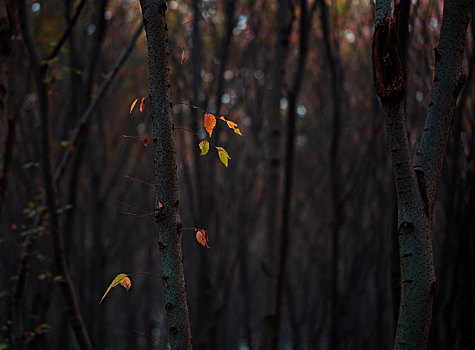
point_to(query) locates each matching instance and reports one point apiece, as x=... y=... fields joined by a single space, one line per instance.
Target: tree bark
x=165 y=173
x=417 y=186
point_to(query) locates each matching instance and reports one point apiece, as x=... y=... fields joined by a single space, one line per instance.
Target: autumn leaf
x=210 y=123
x=114 y=283
x=202 y=238
x=145 y=142
x=126 y=283
x=182 y=56
x=133 y=105
x=142 y=105
x=204 y=146
x=231 y=125
x=223 y=156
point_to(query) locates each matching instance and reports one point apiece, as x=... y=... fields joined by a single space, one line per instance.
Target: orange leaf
x=210 y=123
x=202 y=238
x=142 y=105
x=182 y=56
x=133 y=105
x=126 y=283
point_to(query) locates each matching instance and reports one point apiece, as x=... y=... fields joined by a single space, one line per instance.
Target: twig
x=139 y=181
x=146 y=335
x=190 y=105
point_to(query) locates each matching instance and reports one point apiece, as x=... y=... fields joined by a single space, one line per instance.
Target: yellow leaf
x=126 y=283
x=223 y=156
x=210 y=123
x=114 y=283
x=237 y=131
x=231 y=125
x=204 y=146
x=133 y=105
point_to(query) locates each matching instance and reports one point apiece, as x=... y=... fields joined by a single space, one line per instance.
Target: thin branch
x=67 y=31
x=78 y=131
x=139 y=181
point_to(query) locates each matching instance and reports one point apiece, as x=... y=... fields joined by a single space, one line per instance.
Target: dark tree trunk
x=165 y=173
x=416 y=186
x=333 y=57
x=304 y=32
x=5 y=129
x=39 y=71
x=271 y=260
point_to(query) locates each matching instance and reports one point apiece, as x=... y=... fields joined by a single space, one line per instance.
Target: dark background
x=229 y=50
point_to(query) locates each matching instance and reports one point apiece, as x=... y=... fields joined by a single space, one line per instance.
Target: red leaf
x=72 y=148
x=142 y=105
x=183 y=56
x=202 y=238
x=145 y=142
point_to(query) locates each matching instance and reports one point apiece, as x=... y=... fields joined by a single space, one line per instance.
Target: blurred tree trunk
x=336 y=80
x=39 y=69
x=165 y=173
x=271 y=259
x=293 y=94
x=417 y=186
x=5 y=130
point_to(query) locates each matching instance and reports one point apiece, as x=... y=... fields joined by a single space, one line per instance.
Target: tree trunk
x=268 y=331
x=333 y=57
x=39 y=71
x=5 y=46
x=165 y=173
x=416 y=186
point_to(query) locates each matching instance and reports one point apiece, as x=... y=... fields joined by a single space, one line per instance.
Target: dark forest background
x=340 y=213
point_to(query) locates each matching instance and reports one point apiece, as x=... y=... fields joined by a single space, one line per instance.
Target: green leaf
x=114 y=283
x=223 y=156
x=204 y=146
x=65 y=143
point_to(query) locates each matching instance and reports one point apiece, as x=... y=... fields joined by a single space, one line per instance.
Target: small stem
x=193 y=228
x=146 y=335
x=139 y=181
x=145 y=273
x=194 y=133
x=190 y=105
x=183 y=128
